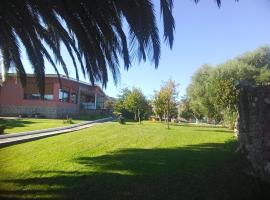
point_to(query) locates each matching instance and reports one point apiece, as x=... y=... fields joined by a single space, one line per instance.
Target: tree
x=224 y=91
x=185 y=110
x=165 y=100
x=132 y=104
x=109 y=103
x=213 y=91
x=119 y=107
x=91 y=31
x=136 y=103
x=259 y=58
x=199 y=94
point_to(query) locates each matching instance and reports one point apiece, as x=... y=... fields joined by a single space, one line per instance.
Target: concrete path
x=6 y=140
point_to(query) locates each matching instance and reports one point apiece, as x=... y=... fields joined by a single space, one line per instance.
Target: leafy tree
x=119 y=107
x=185 y=110
x=199 y=94
x=259 y=58
x=132 y=104
x=165 y=101
x=136 y=103
x=91 y=31
x=224 y=91
x=109 y=104
x=224 y=81
x=264 y=76
x=213 y=91
x=159 y=105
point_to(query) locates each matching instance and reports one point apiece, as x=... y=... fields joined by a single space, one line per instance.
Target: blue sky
x=204 y=34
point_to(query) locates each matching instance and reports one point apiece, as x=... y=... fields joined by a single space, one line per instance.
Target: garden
x=131 y=161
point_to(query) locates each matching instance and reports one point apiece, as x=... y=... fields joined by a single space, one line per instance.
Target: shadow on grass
x=197 y=125
x=90 y=117
x=13 y=123
x=214 y=130
x=202 y=172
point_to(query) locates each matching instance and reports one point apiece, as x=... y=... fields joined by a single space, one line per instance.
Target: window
x=32 y=96
x=74 y=97
x=48 y=97
x=63 y=95
x=31 y=92
x=100 y=102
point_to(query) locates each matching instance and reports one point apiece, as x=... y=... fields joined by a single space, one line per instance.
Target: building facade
x=71 y=97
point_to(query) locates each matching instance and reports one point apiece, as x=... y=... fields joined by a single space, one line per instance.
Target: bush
x=2 y=128
x=230 y=119
x=121 y=119
x=68 y=121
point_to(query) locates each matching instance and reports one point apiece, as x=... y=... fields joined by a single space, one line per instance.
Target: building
x=71 y=99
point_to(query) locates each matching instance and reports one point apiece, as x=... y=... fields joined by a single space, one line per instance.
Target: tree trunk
x=135 y=116
x=168 y=111
x=139 y=116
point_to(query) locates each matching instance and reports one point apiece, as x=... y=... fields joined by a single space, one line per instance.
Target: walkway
x=9 y=139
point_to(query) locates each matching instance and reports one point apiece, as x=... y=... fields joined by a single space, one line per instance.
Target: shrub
x=68 y=121
x=230 y=119
x=2 y=128
x=121 y=119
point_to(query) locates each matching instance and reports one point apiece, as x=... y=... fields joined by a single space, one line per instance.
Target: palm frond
x=91 y=31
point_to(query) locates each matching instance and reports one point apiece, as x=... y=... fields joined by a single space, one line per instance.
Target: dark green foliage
x=132 y=104
x=259 y=58
x=185 y=110
x=199 y=94
x=213 y=92
x=119 y=107
x=2 y=128
x=91 y=31
x=165 y=100
x=121 y=119
x=68 y=121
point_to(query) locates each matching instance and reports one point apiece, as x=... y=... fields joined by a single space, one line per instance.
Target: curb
x=54 y=129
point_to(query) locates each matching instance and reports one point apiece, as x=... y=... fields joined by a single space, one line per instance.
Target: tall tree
x=224 y=91
x=165 y=101
x=136 y=103
x=199 y=94
x=259 y=58
x=159 y=105
x=119 y=107
x=91 y=31
x=184 y=110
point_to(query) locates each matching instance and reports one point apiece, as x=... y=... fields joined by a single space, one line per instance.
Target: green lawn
x=132 y=161
x=30 y=124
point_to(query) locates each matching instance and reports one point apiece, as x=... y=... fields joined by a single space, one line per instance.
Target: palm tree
x=91 y=30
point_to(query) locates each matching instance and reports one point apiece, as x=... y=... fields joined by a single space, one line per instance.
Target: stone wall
x=55 y=111
x=15 y=111
x=254 y=127
x=67 y=111
x=41 y=111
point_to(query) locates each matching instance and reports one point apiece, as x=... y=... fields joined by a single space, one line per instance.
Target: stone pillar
x=254 y=128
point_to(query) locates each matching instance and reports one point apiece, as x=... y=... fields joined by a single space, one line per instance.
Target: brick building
x=74 y=97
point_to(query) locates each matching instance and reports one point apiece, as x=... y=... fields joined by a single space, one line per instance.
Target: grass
x=16 y=125
x=132 y=161
x=30 y=124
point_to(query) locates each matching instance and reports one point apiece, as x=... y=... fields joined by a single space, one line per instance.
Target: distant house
x=74 y=97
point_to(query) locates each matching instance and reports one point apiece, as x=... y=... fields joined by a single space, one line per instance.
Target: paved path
x=9 y=139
